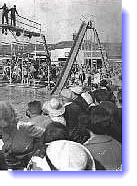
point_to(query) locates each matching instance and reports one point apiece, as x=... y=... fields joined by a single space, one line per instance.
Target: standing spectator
x=72 y=112
x=77 y=98
x=13 y=15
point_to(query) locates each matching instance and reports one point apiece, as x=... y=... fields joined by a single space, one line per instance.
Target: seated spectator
x=59 y=153
x=106 y=151
x=55 y=110
x=18 y=144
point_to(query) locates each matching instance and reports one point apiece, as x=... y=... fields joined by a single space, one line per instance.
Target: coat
x=71 y=115
x=105 y=150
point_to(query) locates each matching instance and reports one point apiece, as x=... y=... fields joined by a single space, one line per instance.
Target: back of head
x=102 y=95
x=55 y=131
x=69 y=156
x=108 y=106
x=7 y=115
x=103 y=83
x=35 y=107
x=100 y=121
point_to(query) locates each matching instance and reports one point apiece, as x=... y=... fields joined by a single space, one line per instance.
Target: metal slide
x=72 y=56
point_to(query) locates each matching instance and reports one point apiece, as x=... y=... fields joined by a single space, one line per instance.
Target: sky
x=61 y=18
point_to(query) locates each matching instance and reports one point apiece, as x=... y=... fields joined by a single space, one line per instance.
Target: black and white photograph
x=61 y=85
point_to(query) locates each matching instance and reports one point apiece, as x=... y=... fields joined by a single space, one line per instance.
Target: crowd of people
x=79 y=130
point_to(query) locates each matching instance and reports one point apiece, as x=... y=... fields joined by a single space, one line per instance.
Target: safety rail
x=24 y=23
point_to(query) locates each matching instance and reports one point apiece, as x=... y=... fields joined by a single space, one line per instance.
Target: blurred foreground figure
x=19 y=144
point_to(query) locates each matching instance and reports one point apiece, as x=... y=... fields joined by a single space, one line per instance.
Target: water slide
x=72 y=56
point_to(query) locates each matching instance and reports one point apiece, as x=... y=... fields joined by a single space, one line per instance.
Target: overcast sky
x=61 y=18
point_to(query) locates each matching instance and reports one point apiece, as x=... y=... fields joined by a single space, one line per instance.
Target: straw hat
x=70 y=156
x=54 y=107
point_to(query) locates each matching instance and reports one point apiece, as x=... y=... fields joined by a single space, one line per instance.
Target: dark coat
x=71 y=115
x=81 y=103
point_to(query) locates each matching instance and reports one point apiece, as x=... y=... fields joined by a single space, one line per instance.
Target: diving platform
x=18 y=29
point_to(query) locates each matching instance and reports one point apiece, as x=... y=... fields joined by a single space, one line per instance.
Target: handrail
x=28 y=25
x=30 y=20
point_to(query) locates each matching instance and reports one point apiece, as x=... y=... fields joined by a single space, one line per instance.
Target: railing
x=25 y=23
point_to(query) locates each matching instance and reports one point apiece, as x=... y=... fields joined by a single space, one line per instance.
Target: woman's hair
x=7 y=115
x=55 y=131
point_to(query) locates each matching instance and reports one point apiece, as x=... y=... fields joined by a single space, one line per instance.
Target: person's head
x=54 y=107
x=63 y=155
x=55 y=131
x=8 y=117
x=34 y=108
x=102 y=95
x=14 y=6
x=77 y=90
x=103 y=83
x=66 y=95
x=108 y=106
x=4 y=4
x=80 y=134
x=100 y=121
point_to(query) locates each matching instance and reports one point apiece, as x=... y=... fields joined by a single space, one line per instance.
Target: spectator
x=78 y=99
x=106 y=151
x=34 y=112
x=54 y=131
x=72 y=110
x=116 y=119
x=64 y=155
x=55 y=109
x=18 y=144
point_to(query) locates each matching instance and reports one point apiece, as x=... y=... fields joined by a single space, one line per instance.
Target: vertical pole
x=11 y=64
x=22 y=61
x=48 y=77
x=91 y=68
